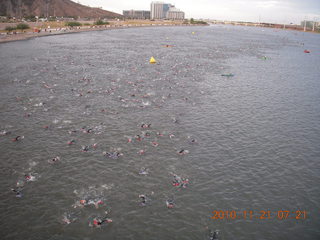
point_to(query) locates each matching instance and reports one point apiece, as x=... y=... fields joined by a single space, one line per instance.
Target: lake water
x=256 y=134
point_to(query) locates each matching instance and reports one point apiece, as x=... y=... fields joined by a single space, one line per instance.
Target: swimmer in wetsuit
x=97 y=222
x=85 y=148
x=17 y=192
x=183 y=152
x=170 y=203
x=4 y=133
x=143 y=171
x=71 y=142
x=114 y=155
x=176 y=180
x=17 y=138
x=54 y=160
x=29 y=177
x=213 y=235
x=143 y=199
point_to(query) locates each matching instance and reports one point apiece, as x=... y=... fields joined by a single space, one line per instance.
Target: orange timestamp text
x=264 y=214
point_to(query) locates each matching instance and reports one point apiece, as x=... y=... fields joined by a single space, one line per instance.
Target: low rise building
x=136 y=14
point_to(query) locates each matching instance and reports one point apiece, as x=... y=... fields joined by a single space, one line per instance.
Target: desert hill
x=46 y=8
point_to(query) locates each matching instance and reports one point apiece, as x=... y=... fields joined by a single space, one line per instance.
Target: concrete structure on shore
x=136 y=14
x=161 y=10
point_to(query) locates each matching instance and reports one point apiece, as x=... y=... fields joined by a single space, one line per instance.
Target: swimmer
x=95 y=145
x=84 y=129
x=171 y=136
x=20 y=183
x=96 y=203
x=159 y=134
x=144 y=171
x=54 y=160
x=143 y=200
x=17 y=192
x=98 y=222
x=71 y=142
x=68 y=218
x=89 y=130
x=175 y=120
x=145 y=125
x=170 y=203
x=29 y=177
x=147 y=134
x=183 y=152
x=141 y=152
x=155 y=144
x=4 y=133
x=184 y=183
x=191 y=140
x=176 y=180
x=85 y=148
x=138 y=138
x=114 y=155
x=213 y=235
x=81 y=203
x=17 y=138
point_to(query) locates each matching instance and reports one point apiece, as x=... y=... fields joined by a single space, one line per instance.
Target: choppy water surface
x=257 y=133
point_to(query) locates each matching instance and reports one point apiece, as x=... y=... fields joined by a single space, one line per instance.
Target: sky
x=271 y=11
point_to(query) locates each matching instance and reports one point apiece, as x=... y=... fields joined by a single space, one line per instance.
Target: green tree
x=100 y=22
x=73 y=24
x=30 y=18
x=9 y=28
x=22 y=26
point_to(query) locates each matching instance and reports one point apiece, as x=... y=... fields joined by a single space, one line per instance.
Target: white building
x=161 y=10
x=175 y=14
x=157 y=10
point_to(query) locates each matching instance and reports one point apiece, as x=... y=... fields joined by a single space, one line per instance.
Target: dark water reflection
x=257 y=132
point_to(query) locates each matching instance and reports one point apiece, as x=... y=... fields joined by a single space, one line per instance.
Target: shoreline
x=19 y=36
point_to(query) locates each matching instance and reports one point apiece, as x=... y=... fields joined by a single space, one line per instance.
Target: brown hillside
x=58 y=8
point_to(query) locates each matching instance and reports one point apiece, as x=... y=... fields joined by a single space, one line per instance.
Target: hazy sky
x=275 y=11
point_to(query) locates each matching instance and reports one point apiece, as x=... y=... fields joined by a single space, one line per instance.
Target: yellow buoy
x=152 y=60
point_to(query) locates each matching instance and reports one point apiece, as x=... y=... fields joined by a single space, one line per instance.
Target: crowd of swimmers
x=177 y=181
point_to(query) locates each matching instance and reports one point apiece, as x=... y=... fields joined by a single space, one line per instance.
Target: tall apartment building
x=161 y=10
x=157 y=10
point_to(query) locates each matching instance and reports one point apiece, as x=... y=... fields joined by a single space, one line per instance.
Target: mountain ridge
x=47 y=8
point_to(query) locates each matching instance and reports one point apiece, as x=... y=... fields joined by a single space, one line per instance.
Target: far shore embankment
x=50 y=29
